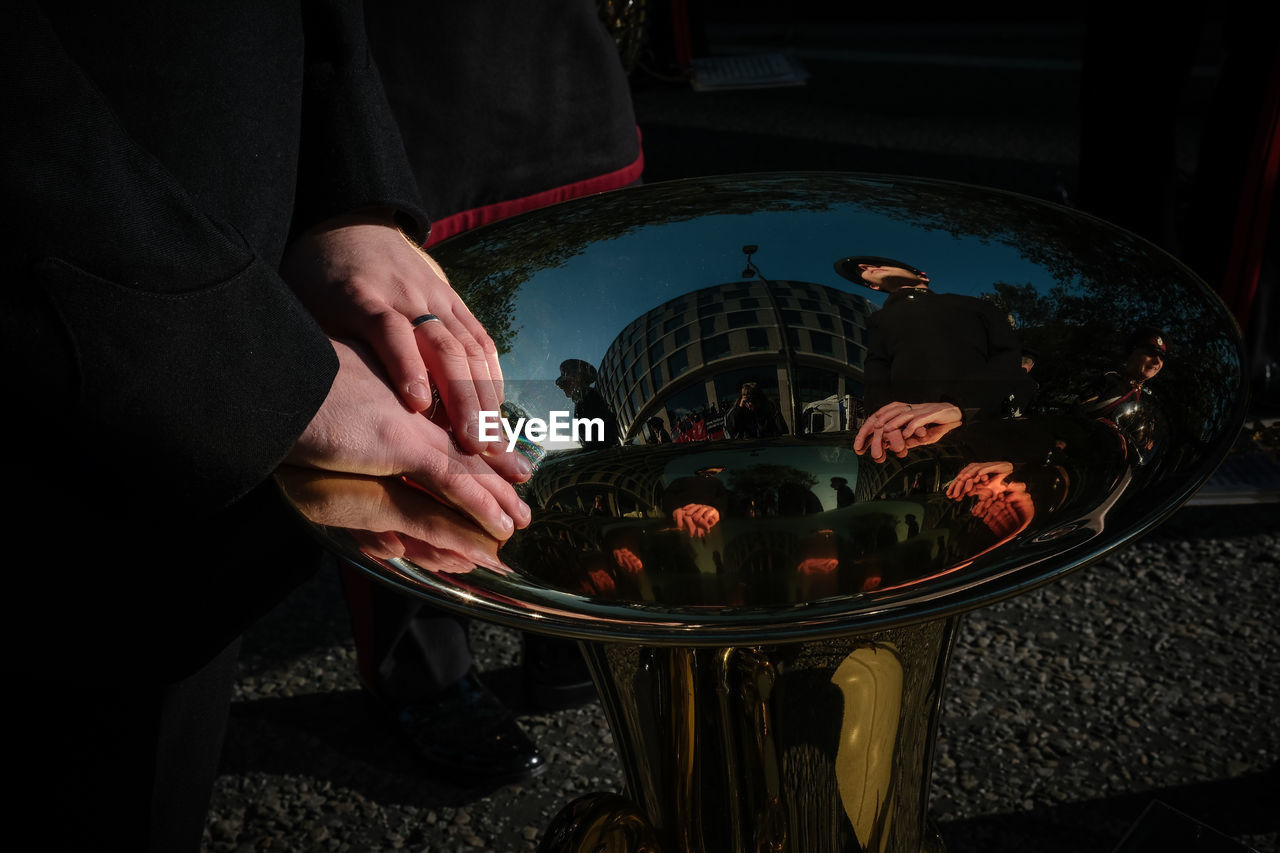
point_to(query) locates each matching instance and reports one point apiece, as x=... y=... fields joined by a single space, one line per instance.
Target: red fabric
x=356 y=589
x=1258 y=191
x=449 y=226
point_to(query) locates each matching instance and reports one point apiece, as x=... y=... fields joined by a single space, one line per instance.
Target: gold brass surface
x=797 y=747
x=813 y=457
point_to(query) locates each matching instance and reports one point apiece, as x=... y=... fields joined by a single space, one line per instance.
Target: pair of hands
x=365 y=282
x=898 y=427
x=389 y=519
x=1003 y=506
x=696 y=519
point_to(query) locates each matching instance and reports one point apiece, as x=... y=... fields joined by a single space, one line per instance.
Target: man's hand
x=1006 y=512
x=363 y=429
x=389 y=519
x=818 y=565
x=976 y=475
x=1003 y=506
x=363 y=279
x=627 y=560
x=696 y=519
x=898 y=427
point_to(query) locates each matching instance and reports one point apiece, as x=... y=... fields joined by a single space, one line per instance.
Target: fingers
x=919 y=422
x=696 y=519
x=363 y=429
x=467 y=482
x=393 y=339
x=678 y=516
x=627 y=559
x=429 y=557
x=390 y=519
x=468 y=321
x=890 y=429
x=459 y=366
x=433 y=529
x=897 y=427
x=482 y=352
x=874 y=424
x=960 y=486
x=895 y=442
x=864 y=435
x=704 y=518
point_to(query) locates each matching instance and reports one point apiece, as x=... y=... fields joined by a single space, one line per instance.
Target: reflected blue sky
x=576 y=310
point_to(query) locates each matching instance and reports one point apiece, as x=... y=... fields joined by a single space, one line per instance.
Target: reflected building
x=686 y=360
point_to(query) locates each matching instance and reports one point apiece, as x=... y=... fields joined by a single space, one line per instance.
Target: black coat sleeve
x=352 y=155
x=150 y=352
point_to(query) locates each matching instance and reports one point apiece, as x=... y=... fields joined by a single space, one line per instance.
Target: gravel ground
x=1153 y=675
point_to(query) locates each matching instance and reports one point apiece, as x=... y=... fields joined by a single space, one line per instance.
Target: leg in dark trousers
x=125 y=765
x=416 y=666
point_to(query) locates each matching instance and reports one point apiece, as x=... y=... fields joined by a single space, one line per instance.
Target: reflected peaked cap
x=848 y=267
x=577 y=369
x=1151 y=339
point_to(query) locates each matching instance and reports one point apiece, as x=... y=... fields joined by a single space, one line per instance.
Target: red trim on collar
x=449 y=226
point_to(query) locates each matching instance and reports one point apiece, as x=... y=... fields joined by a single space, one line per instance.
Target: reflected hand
x=626 y=559
x=696 y=519
x=390 y=519
x=817 y=565
x=898 y=427
x=1005 y=512
x=599 y=582
x=362 y=278
x=975 y=475
x=362 y=428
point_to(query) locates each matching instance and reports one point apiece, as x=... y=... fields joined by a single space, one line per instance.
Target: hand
x=696 y=519
x=363 y=429
x=627 y=559
x=898 y=427
x=599 y=582
x=389 y=519
x=817 y=565
x=1006 y=512
x=363 y=279
x=975 y=475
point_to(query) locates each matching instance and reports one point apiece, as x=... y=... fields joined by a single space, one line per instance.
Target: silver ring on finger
x=425 y=318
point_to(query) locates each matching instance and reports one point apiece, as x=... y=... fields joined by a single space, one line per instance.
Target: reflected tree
x=488 y=266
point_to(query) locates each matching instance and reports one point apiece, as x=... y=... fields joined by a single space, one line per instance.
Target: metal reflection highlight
x=807 y=747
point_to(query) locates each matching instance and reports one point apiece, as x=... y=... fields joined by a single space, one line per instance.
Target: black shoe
x=470 y=737
x=555 y=675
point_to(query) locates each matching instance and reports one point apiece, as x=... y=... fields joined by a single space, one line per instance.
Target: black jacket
x=944 y=347
x=155 y=159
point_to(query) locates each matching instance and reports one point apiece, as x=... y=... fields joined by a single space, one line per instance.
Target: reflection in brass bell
x=803 y=479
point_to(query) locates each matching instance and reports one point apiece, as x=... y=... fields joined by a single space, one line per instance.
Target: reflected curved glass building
x=685 y=360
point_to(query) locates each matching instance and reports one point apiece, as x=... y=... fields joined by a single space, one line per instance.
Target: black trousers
x=121 y=765
x=407 y=651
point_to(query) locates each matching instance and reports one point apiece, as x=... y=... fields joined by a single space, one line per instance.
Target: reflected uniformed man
x=934 y=360
x=577 y=381
x=1122 y=398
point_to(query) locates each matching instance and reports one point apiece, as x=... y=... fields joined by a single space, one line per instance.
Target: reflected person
x=934 y=360
x=577 y=381
x=656 y=431
x=753 y=415
x=1122 y=400
x=844 y=494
